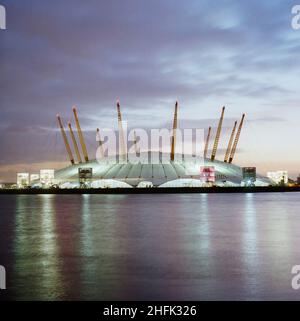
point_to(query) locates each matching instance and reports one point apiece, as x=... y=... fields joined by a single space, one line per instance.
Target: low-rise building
x=47 y=176
x=23 y=180
x=278 y=177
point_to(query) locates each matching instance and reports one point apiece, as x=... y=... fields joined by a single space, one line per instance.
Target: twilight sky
x=206 y=54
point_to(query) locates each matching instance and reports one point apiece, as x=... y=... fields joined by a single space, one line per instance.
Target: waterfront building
x=23 y=180
x=47 y=176
x=278 y=177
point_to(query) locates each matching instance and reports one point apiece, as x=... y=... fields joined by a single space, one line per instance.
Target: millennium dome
x=171 y=169
x=167 y=174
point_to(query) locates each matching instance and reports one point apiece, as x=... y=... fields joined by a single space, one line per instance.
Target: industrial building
x=109 y=173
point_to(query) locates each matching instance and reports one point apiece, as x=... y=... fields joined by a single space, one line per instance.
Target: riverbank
x=155 y=190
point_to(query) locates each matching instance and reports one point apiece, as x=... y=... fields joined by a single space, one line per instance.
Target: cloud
x=55 y=54
x=268 y=119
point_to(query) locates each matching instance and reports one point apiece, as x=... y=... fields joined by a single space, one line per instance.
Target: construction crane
x=236 y=140
x=230 y=143
x=65 y=139
x=207 y=142
x=173 y=138
x=75 y=144
x=218 y=134
x=80 y=135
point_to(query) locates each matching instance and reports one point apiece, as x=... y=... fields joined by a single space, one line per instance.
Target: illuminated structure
x=278 y=177
x=249 y=176
x=207 y=174
x=85 y=176
x=174 y=171
x=157 y=174
x=47 y=176
x=34 y=177
x=23 y=180
x=145 y=184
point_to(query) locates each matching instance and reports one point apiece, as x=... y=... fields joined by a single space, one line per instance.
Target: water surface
x=142 y=247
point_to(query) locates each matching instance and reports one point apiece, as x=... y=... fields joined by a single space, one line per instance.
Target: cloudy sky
x=148 y=54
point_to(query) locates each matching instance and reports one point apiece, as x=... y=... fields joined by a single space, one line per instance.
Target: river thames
x=150 y=247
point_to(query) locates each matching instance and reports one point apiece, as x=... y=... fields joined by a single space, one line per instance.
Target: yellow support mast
x=207 y=142
x=75 y=143
x=236 y=140
x=121 y=133
x=173 y=138
x=80 y=135
x=230 y=143
x=98 y=138
x=218 y=134
x=65 y=139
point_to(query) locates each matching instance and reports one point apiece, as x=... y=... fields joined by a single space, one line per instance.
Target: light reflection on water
x=135 y=247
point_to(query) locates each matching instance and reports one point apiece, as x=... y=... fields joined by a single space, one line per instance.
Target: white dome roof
x=133 y=174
